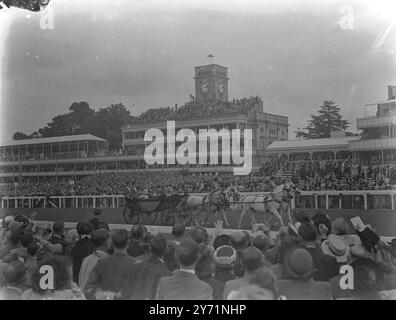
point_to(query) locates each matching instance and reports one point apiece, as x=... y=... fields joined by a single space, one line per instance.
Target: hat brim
x=290 y=271
x=340 y=259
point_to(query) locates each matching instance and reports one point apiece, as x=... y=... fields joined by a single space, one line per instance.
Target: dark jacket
x=217 y=287
x=183 y=285
x=82 y=248
x=325 y=266
x=224 y=275
x=110 y=273
x=143 y=279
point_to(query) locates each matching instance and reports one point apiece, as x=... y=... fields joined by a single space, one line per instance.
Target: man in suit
x=143 y=278
x=100 y=239
x=252 y=260
x=298 y=263
x=82 y=248
x=325 y=266
x=108 y=276
x=184 y=284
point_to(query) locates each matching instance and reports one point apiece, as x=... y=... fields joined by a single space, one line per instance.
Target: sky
x=293 y=54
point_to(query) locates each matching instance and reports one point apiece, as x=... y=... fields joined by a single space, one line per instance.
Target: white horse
x=216 y=202
x=275 y=203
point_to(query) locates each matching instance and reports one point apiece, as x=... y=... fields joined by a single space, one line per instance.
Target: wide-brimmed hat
x=335 y=246
x=298 y=263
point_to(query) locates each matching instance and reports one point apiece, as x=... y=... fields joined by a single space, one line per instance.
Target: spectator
x=136 y=246
x=143 y=278
x=178 y=232
x=82 y=248
x=367 y=280
x=340 y=228
x=100 y=240
x=224 y=257
x=31 y=261
x=261 y=287
x=336 y=247
x=184 y=284
x=325 y=266
x=286 y=244
x=20 y=251
x=57 y=238
x=107 y=277
x=205 y=271
x=298 y=263
x=63 y=287
x=252 y=261
x=240 y=240
x=15 y=277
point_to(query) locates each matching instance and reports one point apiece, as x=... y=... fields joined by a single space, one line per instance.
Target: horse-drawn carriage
x=197 y=209
x=162 y=210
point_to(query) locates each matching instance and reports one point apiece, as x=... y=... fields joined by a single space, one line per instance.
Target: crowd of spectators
x=338 y=175
x=198 y=109
x=93 y=262
x=307 y=176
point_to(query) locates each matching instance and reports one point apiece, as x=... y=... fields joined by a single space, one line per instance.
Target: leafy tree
x=105 y=123
x=109 y=121
x=21 y=136
x=77 y=121
x=327 y=120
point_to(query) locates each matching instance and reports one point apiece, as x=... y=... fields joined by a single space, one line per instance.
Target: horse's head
x=290 y=190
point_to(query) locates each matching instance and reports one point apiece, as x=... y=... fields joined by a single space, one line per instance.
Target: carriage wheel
x=167 y=217
x=149 y=218
x=131 y=217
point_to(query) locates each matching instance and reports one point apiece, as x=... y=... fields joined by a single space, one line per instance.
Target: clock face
x=204 y=86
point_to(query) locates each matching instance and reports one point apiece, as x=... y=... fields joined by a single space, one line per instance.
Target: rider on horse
x=218 y=195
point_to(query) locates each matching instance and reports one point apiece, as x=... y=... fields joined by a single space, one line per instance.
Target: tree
x=77 y=121
x=110 y=121
x=327 y=120
x=105 y=123
x=21 y=136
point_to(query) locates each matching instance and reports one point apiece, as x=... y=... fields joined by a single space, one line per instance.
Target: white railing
x=348 y=199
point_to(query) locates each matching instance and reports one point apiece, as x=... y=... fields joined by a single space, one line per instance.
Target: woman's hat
x=225 y=256
x=335 y=246
x=298 y=263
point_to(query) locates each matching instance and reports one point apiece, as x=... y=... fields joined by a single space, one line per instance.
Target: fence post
x=365 y=200
x=327 y=201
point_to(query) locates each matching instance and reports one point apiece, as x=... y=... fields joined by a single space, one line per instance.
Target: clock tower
x=211 y=83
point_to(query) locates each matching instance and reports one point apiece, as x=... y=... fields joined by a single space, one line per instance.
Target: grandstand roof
x=308 y=144
x=70 y=138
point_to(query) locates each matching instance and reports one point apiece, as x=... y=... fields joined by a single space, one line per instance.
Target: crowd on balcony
x=197 y=109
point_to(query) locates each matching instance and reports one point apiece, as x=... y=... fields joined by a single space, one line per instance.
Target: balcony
x=372 y=144
x=372 y=122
